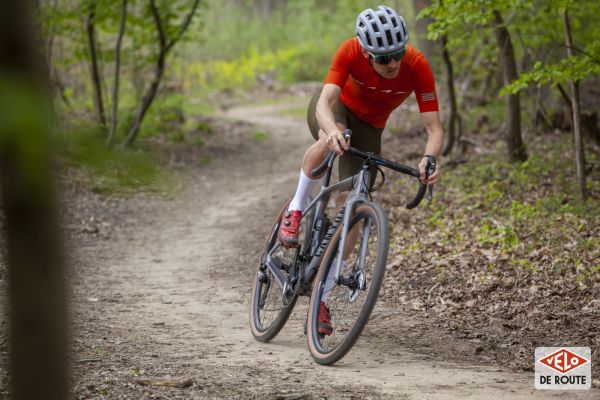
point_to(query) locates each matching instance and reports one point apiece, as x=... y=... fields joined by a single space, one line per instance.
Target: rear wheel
x=351 y=302
x=271 y=305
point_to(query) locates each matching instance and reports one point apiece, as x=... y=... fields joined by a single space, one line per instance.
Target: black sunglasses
x=384 y=59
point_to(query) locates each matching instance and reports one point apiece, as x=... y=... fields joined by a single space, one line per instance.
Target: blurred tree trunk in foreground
x=36 y=309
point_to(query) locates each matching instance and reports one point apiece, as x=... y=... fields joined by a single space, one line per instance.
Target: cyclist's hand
x=432 y=178
x=337 y=142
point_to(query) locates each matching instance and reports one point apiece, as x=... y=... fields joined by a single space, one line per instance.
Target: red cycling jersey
x=372 y=98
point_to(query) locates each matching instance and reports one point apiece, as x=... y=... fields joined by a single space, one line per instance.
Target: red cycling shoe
x=288 y=230
x=323 y=321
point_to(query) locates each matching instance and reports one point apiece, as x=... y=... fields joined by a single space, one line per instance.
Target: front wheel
x=350 y=302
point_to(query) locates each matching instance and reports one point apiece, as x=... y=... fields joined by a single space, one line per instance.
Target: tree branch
x=560 y=43
x=186 y=23
x=115 y=91
x=158 y=22
x=95 y=70
x=565 y=96
x=160 y=67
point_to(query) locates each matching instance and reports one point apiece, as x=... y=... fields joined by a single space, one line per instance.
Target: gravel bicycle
x=339 y=261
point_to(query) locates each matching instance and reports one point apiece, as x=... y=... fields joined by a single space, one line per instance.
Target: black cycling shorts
x=365 y=137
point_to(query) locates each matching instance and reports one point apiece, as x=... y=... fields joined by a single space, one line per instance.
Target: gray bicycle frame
x=358 y=195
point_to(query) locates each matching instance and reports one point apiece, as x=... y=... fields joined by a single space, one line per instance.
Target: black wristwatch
x=430 y=158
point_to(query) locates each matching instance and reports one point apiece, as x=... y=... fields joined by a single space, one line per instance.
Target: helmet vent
x=394 y=22
x=388 y=36
x=379 y=42
x=375 y=27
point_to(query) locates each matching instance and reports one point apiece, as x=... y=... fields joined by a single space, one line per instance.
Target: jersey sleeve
x=425 y=86
x=340 y=65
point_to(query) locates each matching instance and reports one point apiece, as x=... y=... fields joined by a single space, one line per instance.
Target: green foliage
x=260 y=136
x=114 y=170
x=165 y=117
x=232 y=27
x=291 y=64
x=295 y=44
x=455 y=15
x=537 y=28
x=545 y=30
x=503 y=235
x=567 y=69
x=524 y=207
x=206 y=127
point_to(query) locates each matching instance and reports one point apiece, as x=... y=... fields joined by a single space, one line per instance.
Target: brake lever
x=431 y=164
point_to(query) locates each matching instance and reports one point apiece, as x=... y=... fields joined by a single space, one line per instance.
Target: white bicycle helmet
x=382 y=31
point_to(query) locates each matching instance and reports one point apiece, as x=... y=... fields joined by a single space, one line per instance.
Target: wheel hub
x=359 y=285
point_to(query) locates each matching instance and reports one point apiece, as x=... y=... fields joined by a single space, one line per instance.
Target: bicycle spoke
x=351 y=301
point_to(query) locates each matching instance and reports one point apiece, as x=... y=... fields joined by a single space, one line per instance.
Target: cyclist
x=370 y=75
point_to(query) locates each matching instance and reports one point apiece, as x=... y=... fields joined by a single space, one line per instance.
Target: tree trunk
x=455 y=121
x=36 y=311
x=576 y=116
x=148 y=99
x=49 y=47
x=164 y=47
x=426 y=46
x=115 y=90
x=266 y=10
x=96 y=80
x=514 y=141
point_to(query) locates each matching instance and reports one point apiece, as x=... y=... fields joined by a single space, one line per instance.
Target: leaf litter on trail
x=511 y=271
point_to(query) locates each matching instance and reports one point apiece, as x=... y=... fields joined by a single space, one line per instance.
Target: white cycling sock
x=329 y=282
x=304 y=189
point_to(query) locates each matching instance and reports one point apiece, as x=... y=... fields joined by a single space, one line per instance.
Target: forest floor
x=160 y=289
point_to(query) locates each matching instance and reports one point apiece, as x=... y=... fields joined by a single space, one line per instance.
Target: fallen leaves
x=519 y=268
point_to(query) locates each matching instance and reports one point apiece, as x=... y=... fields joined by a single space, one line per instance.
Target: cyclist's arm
x=435 y=141
x=329 y=95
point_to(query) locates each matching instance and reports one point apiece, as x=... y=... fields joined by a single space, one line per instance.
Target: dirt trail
x=170 y=300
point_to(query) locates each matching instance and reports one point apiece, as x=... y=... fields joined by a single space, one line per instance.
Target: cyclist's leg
x=315 y=154
x=290 y=226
